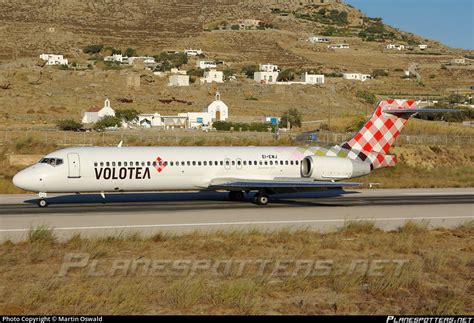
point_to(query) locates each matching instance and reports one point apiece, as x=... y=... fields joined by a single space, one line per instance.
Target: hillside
x=36 y=95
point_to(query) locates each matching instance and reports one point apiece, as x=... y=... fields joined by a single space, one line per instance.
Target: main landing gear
x=261 y=198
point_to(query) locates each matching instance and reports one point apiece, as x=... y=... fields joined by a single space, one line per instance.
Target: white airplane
x=266 y=170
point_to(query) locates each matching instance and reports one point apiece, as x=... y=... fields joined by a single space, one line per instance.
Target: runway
x=179 y=212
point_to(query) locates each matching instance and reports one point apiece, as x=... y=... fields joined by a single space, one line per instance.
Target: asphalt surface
x=179 y=212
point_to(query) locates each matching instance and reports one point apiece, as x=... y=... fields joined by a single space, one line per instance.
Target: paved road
x=183 y=212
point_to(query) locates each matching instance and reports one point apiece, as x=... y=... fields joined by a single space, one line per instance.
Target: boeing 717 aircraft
x=264 y=170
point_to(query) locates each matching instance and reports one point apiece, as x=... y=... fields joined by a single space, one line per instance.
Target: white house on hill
x=312 y=78
x=94 y=114
x=213 y=76
x=52 y=59
x=357 y=76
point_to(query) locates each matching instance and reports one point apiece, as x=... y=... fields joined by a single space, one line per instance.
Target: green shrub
x=69 y=125
x=93 y=49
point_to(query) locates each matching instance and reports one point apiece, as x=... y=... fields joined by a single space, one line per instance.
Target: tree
x=292 y=115
x=69 y=125
x=107 y=122
x=93 y=49
x=249 y=70
x=228 y=72
x=235 y=27
x=127 y=115
x=130 y=52
x=286 y=75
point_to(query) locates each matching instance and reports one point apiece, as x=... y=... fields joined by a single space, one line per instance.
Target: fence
x=189 y=137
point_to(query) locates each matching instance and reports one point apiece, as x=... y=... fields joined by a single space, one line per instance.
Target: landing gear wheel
x=260 y=199
x=236 y=196
x=42 y=203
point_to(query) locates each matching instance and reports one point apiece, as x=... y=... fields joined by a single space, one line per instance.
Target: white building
x=94 y=114
x=394 y=46
x=52 y=59
x=357 y=76
x=248 y=23
x=318 y=39
x=268 y=68
x=215 y=111
x=460 y=61
x=422 y=46
x=213 y=76
x=266 y=77
x=148 y=120
x=193 y=52
x=147 y=60
x=312 y=78
x=206 y=64
x=119 y=58
x=178 y=80
x=338 y=46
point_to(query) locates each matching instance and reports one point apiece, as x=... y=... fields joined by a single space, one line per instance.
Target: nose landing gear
x=42 y=202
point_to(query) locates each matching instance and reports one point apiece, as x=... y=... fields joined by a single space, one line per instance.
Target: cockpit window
x=51 y=161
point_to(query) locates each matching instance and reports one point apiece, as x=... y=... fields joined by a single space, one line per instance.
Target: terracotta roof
x=94 y=109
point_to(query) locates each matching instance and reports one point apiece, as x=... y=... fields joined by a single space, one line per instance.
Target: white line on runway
x=204 y=224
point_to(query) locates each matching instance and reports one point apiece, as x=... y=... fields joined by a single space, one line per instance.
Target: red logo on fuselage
x=160 y=164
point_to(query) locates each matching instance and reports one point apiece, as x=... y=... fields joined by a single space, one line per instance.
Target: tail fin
x=376 y=137
x=374 y=140
x=379 y=133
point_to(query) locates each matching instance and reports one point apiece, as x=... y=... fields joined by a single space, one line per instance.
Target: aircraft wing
x=277 y=185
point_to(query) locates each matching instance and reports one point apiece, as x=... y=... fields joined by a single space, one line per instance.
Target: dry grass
x=435 y=278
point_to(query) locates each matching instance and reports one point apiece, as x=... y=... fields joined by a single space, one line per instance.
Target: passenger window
x=260 y=163
x=297 y=162
x=210 y=163
x=205 y=163
x=266 y=163
x=125 y=164
x=143 y=163
x=107 y=164
x=119 y=164
x=165 y=163
x=101 y=164
x=137 y=164
x=271 y=162
x=291 y=162
x=189 y=163
x=227 y=162
x=95 y=164
x=245 y=163
x=233 y=162
x=148 y=164
x=171 y=163
x=199 y=163
x=222 y=163
x=194 y=163
x=239 y=162
x=286 y=162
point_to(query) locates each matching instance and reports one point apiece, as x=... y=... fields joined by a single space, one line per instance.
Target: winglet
x=120 y=144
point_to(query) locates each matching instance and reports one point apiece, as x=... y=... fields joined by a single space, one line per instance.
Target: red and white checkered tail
x=379 y=133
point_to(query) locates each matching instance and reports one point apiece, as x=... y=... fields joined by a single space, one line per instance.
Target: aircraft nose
x=21 y=180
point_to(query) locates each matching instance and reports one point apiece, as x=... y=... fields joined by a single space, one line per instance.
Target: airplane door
x=74 y=165
x=227 y=163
